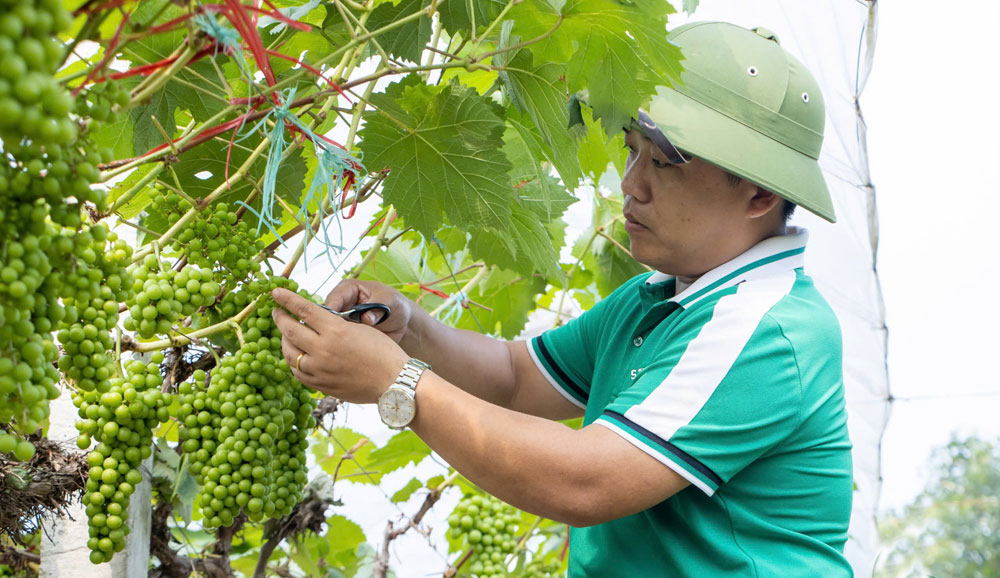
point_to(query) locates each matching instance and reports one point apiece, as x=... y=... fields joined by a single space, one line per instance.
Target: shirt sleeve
x=710 y=406
x=566 y=355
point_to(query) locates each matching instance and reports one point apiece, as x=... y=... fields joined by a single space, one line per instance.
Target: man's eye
x=662 y=164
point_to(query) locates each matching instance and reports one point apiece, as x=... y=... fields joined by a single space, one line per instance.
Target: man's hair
x=786 y=210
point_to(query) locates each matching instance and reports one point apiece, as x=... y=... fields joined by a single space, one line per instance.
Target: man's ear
x=761 y=202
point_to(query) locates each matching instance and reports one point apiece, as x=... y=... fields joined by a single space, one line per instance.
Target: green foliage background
x=952 y=528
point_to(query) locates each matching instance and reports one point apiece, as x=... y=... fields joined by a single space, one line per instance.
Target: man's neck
x=681 y=283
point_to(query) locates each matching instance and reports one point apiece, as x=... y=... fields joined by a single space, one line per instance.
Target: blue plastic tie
x=229 y=38
x=332 y=164
x=453 y=307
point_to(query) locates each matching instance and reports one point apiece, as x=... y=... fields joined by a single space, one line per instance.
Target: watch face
x=396 y=407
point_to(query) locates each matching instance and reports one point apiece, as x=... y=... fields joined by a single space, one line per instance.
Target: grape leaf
x=527 y=251
x=613 y=265
x=545 y=196
x=610 y=265
x=406 y=41
x=480 y=79
x=456 y=15
x=541 y=201
x=403 y=266
x=297 y=44
x=510 y=296
x=401 y=450
x=443 y=146
x=194 y=88
x=597 y=151
x=333 y=28
x=406 y=491
x=145 y=135
x=616 y=50
x=331 y=455
x=343 y=534
x=303 y=558
x=540 y=91
x=210 y=158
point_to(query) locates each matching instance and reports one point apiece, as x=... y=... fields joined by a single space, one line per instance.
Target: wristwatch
x=398 y=405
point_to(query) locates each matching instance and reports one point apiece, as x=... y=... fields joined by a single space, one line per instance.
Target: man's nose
x=634 y=182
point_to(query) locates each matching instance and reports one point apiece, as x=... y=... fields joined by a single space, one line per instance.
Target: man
x=714 y=439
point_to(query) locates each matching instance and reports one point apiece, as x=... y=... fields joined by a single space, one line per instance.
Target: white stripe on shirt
x=709 y=356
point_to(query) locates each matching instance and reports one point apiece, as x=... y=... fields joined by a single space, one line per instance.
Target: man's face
x=681 y=219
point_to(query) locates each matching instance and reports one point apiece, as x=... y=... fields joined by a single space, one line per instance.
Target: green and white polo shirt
x=736 y=384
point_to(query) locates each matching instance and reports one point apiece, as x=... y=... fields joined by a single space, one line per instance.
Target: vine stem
x=117 y=168
x=623 y=248
x=156 y=83
x=348 y=144
x=118 y=352
x=239 y=332
x=127 y=196
x=190 y=214
x=572 y=271
x=350 y=46
x=465 y=288
x=524 y=538
x=180 y=340
x=381 y=566
x=380 y=241
x=497 y=20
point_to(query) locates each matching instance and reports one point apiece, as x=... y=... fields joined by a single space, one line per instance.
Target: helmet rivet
x=752 y=71
x=805 y=97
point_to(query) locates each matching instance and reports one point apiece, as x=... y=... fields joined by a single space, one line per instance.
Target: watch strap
x=410 y=374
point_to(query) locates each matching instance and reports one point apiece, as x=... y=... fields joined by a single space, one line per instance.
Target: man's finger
x=300 y=335
x=300 y=307
x=291 y=353
x=344 y=296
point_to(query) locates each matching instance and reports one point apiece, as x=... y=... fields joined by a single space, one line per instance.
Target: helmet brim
x=729 y=144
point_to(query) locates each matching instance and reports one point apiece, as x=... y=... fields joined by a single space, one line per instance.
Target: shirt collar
x=770 y=256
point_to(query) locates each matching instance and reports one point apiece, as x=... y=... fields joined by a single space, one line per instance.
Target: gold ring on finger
x=298 y=360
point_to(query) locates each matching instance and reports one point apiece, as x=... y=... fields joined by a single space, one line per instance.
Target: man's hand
x=349 y=361
x=351 y=293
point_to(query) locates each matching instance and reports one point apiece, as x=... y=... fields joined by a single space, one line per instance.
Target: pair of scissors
x=359 y=310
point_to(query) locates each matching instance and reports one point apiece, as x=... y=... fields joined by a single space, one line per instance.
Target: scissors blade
x=359 y=310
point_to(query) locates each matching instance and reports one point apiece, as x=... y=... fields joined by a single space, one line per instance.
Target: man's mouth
x=632 y=224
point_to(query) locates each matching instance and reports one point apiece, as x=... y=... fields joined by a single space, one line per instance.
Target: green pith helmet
x=748 y=107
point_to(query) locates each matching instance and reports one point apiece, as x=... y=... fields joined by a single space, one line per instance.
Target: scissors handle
x=359 y=310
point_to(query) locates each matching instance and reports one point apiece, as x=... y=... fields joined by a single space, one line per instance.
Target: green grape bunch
x=543 y=569
x=246 y=432
x=29 y=310
x=216 y=239
x=488 y=527
x=121 y=419
x=56 y=274
x=101 y=281
x=164 y=295
x=32 y=103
